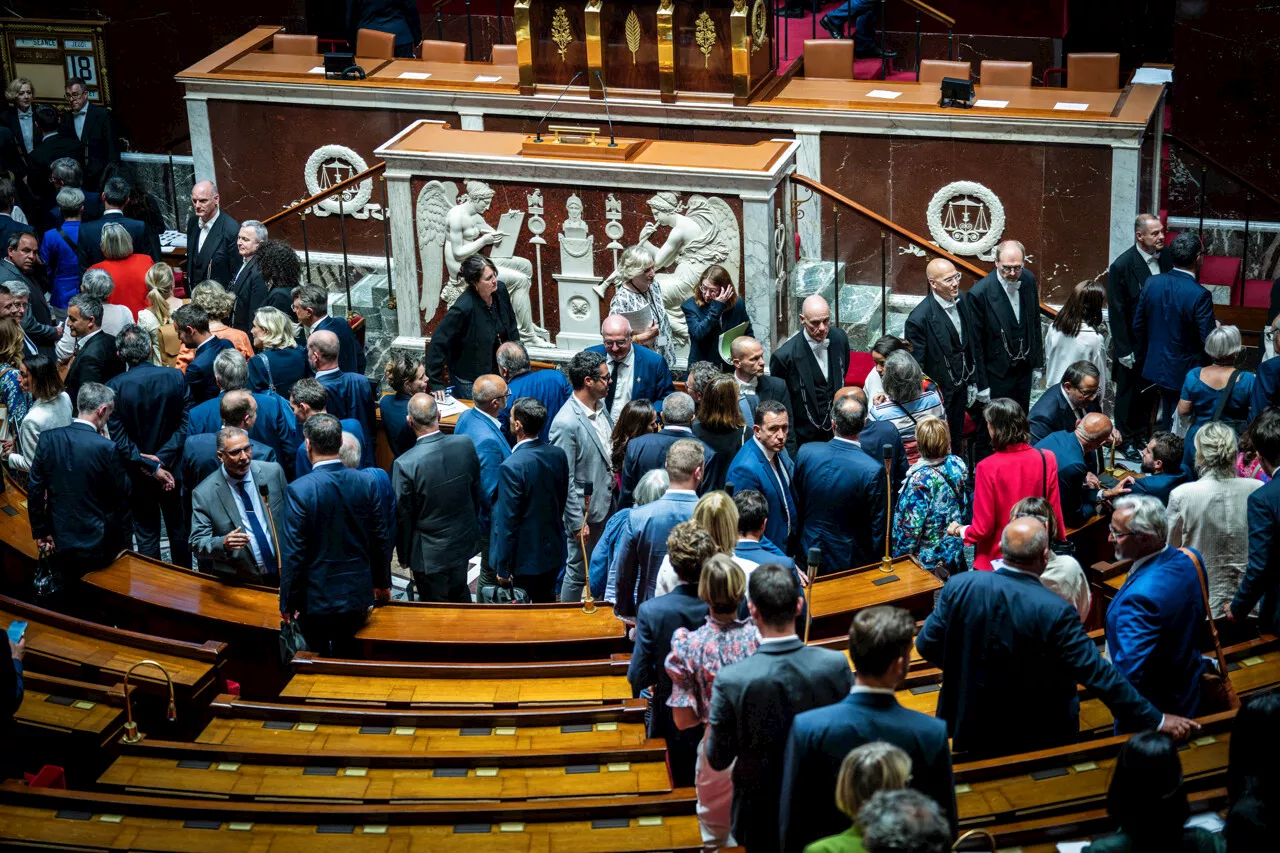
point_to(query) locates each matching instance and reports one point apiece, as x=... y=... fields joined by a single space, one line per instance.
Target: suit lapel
x=942 y=323
x=591 y=430
x=225 y=497
x=999 y=302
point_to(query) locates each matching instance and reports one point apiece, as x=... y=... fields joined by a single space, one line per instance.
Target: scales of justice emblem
x=330 y=165
x=966 y=218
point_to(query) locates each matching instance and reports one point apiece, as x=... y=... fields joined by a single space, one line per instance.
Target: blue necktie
x=264 y=544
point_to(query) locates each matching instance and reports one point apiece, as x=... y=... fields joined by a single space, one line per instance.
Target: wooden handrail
x=1215 y=163
x=375 y=169
x=977 y=272
x=941 y=17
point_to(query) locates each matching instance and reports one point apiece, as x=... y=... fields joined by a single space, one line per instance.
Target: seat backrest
x=375 y=44
x=444 y=51
x=933 y=70
x=831 y=58
x=504 y=54
x=997 y=72
x=1093 y=72
x=295 y=44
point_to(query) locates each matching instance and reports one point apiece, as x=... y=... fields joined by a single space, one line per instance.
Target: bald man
x=942 y=334
x=481 y=425
x=638 y=372
x=1006 y=306
x=753 y=385
x=211 y=238
x=812 y=363
x=350 y=394
x=1077 y=454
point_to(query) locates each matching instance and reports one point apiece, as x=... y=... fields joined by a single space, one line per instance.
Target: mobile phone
x=16 y=629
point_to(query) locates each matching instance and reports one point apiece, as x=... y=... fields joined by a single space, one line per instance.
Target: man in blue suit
x=1081 y=493
x=308 y=398
x=527 y=544
x=350 y=394
x=335 y=547
x=657 y=619
x=350 y=454
x=839 y=490
x=1174 y=317
x=274 y=425
x=763 y=464
x=880 y=648
x=1261 y=582
x=311 y=307
x=1062 y=407
x=192 y=324
x=1004 y=640
x=636 y=372
x=480 y=424
x=1153 y=623
x=551 y=388
x=640 y=554
x=1162 y=462
x=200 y=452
x=648 y=452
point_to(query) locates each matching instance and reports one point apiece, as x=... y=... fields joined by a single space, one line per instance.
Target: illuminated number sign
x=47 y=52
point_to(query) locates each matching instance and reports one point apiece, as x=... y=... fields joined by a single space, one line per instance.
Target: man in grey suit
x=437 y=488
x=754 y=701
x=233 y=524
x=583 y=430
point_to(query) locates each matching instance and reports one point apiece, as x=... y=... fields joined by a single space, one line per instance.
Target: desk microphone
x=886 y=562
x=265 y=493
x=814 y=562
x=605 y=93
x=728 y=488
x=538 y=134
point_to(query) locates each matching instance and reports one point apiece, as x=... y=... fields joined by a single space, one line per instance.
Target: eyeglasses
x=1010 y=267
x=954 y=278
x=1119 y=534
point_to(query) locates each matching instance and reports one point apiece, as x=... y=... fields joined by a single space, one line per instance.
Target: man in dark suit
x=1162 y=462
x=648 y=452
x=1174 y=317
x=350 y=394
x=1005 y=641
x=247 y=285
x=115 y=195
x=875 y=435
x=636 y=372
x=1006 y=308
x=944 y=340
x=437 y=488
x=754 y=701
x=67 y=173
x=309 y=398
x=527 y=541
x=211 y=238
x=1076 y=452
x=753 y=516
x=688 y=547
x=551 y=388
x=78 y=496
x=1125 y=279
x=398 y=17
x=350 y=456
x=192 y=324
x=839 y=491
x=335 y=545
x=9 y=225
x=148 y=424
x=812 y=364
x=1153 y=623
x=754 y=386
x=1266 y=383
x=311 y=307
x=880 y=648
x=21 y=252
x=53 y=145
x=92 y=125
x=763 y=464
x=480 y=424
x=1063 y=407
x=1261 y=582
x=274 y=425
x=95 y=357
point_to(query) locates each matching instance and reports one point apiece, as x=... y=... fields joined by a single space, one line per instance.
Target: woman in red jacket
x=1015 y=471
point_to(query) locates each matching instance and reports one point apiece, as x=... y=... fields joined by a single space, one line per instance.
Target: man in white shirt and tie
x=812 y=365
x=1008 y=341
x=93 y=127
x=211 y=238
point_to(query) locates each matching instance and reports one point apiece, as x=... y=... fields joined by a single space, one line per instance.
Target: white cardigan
x=43 y=415
x=1061 y=351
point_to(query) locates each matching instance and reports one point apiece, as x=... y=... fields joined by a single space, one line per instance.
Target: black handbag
x=47 y=582
x=499 y=594
x=291 y=641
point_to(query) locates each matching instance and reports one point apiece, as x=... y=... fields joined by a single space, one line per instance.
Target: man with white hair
x=646 y=453
x=1153 y=623
x=1006 y=310
x=635 y=372
x=248 y=286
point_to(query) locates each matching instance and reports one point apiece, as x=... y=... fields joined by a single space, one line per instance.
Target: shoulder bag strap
x=1224 y=396
x=75 y=247
x=1044 y=474
x=1213 y=629
x=266 y=365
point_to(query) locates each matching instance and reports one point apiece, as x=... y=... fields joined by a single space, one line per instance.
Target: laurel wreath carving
x=633 y=35
x=759 y=26
x=561 y=33
x=705 y=36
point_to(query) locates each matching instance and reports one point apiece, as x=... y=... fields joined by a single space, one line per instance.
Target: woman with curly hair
x=218 y=303
x=282 y=271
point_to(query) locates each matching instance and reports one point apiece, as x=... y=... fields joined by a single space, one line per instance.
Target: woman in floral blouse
x=932 y=496
x=637 y=290
x=695 y=659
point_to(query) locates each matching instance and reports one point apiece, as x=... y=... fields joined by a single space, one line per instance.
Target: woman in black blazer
x=280 y=268
x=467 y=339
x=713 y=309
x=722 y=427
x=280 y=362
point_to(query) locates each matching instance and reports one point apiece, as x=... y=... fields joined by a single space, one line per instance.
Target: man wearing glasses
x=944 y=340
x=1062 y=409
x=1007 y=308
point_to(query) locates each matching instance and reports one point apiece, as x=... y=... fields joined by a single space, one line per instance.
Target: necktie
x=613 y=385
x=781 y=473
x=264 y=544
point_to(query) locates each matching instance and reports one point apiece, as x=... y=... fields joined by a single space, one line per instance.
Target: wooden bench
x=415 y=692
x=836 y=597
x=68 y=723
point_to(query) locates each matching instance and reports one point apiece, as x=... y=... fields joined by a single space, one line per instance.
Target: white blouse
x=43 y=415
x=1061 y=351
x=1212 y=516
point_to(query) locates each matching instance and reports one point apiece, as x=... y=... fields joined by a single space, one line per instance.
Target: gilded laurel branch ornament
x=561 y=32
x=704 y=34
x=759 y=26
x=633 y=35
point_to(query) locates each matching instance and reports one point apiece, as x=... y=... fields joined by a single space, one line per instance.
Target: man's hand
x=235 y=540
x=286 y=618
x=584 y=533
x=984 y=395
x=1127 y=360
x=1091 y=480
x=1178 y=727
x=7 y=446
x=45 y=544
x=504 y=581
x=1122 y=488
x=165 y=478
x=382 y=596
x=1116 y=438
x=18 y=649
x=1230 y=615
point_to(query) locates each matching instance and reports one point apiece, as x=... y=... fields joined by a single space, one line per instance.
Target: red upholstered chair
x=443 y=51
x=374 y=44
x=1257 y=293
x=997 y=72
x=504 y=54
x=1093 y=72
x=933 y=70
x=828 y=58
x=295 y=44
x=860 y=364
x=1219 y=270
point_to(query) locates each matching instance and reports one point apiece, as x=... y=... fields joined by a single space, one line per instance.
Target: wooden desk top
x=461 y=692
x=292 y=65
x=848 y=591
x=454 y=75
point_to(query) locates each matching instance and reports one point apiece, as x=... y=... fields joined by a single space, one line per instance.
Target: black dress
x=466 y=341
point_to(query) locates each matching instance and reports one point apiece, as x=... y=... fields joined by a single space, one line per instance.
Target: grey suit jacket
x=589 y=462
x=437 y=488
x=752 y=705
x=214 y=515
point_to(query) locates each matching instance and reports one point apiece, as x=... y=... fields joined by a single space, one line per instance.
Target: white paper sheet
x=414 y=75
x=1068 y=105
x=883 y=93
x=484 y=78
x=319 y=69
x=1153 y=76
x=1072 y=846
x=991 y=105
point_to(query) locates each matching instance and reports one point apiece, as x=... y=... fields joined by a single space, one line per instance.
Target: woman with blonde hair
x=157 y=318
x=16 y=400
x=19 y=118
x=865 y=771
x=716 y=513
x=218 y=303
x=695 y=659
x=128 y=268
x=280 y=362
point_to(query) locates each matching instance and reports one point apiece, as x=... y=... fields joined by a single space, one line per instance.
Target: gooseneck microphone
x=538 y=136
x=605 y=93
x=886 y=562
x=813 y=562
x=266 y=505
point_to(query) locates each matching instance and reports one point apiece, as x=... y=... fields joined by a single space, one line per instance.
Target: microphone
x=814 y=561
x=538 y=135
x=265 y=493
x=728 y=488
x=886 y=563
x=588 y=487
x=605 y=93
x=887 y=451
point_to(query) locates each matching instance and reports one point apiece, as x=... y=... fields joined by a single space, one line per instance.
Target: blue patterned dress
x=17 y=401
x=932 y=496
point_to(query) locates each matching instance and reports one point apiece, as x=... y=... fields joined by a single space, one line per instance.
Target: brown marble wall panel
x=1077 y=189
x=260 y=151
x=510 y=196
